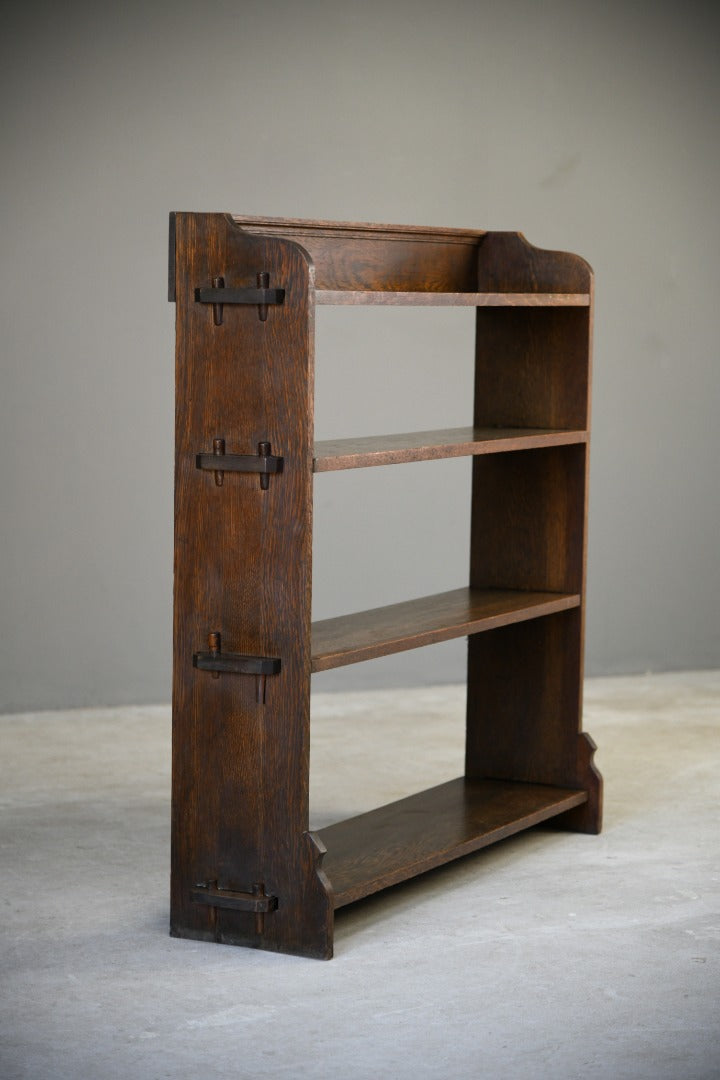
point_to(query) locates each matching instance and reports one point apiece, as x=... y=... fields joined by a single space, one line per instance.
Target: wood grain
x=398 y=841
x=527 y=519
x=242 y=568
x=367 y=451
x=347 y=230
x=366 y=635
x=451 y=299
x=529 y=515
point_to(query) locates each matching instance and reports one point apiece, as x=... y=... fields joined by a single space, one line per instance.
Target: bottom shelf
x=398 y=841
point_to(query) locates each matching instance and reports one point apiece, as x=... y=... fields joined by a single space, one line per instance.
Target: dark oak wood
x=524 y=708
x=237 y=663
x=245 y=868
x=532 y=367
x=222 y=295
x=366 y=451
x=242 y=568
x=395 y=842
x=219 y=461
x=522 y=718
x=527 y=519
x=508 y=263
x=299 y=228
x=365 y=635
x=256 y=902
x=353 y=256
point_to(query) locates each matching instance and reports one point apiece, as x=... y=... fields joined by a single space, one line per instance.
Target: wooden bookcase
x=246 y=870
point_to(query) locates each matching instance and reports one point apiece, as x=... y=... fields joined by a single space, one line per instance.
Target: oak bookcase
x=246 y=870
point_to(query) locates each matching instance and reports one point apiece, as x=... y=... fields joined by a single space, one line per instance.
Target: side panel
x=528 y=530
x=243 y=569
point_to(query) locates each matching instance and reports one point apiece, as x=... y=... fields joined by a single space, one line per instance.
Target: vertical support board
x=243 y=559
x=529 y=521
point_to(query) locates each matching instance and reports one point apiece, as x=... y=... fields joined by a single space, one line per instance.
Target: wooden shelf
x=365 y=635
x=344 y=230
x=450 y=299
x=395 y=842
x=361 y=453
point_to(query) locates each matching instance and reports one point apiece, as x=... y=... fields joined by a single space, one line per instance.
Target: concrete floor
x=552 y=955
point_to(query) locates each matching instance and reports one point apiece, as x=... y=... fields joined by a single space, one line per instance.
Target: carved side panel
x=529 y=524
x=243 y=550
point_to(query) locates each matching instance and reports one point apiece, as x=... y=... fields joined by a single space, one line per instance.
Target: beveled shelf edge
x=332 y=455
x=427 y=620
x=357 y=867
x=357 y=230
x=450 y=299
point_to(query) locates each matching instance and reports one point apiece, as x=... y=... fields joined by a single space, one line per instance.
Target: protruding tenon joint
x=217 y=662
x=219 y=295
x=257 y=901
x=264 y=462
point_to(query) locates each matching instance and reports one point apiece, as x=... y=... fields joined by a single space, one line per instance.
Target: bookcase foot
x=588 y=817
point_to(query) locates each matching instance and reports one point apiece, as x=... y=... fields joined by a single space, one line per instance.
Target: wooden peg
x=264 y=452
x=263 y=282
x=219 y=451
x=214 y=648
x=218 y=283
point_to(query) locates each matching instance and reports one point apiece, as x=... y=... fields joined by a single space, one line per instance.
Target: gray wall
x=590 y=127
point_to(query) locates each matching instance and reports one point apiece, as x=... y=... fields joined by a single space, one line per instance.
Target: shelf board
x=361 y=453
x=365 y=635
x=357 y=230
x=450 y=299
x=395 y=842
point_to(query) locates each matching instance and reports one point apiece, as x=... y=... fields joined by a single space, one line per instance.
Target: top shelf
x=450 y=299
x=360 y=263
x=355 y=263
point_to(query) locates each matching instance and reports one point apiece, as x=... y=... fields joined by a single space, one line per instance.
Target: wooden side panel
x=508 y=263
x=524 y=709
x=524 y=685
x=532 y=364
x=532 y=367
x=528 y=528
x=527 y=520
x=243 y=569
